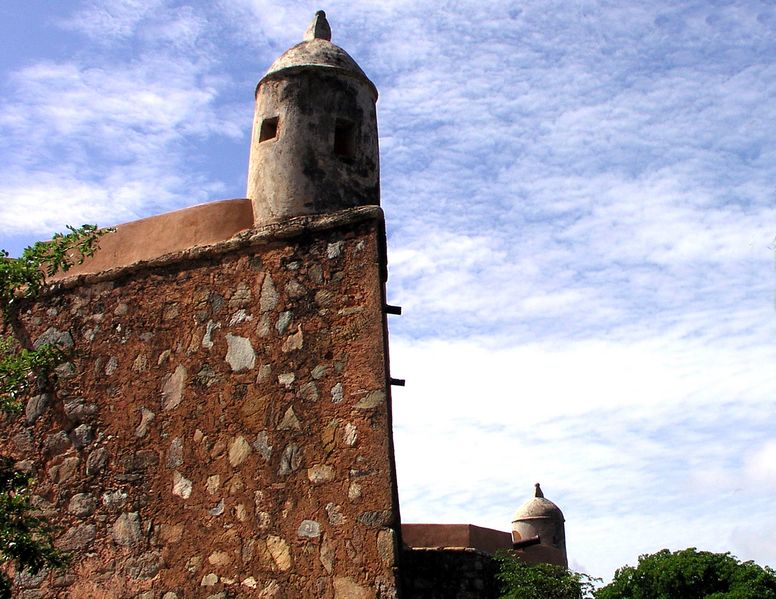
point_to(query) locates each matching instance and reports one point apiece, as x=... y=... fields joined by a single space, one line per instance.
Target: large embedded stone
x=334 y=249
x=347 y=588
x=219 y=558
x=241 y=296
x=294 y=342
x=146 y=417
x=283 y=321
x=212 y=484
x=64 y=471
x=206 y=377
x=371 y=400
x=386 y=547
x=145 y=566
x=376 y=519
x=290 y=460
x=27 y=580
x=126 y=530
x=320 y=473
x=239 y=450
x=23 y=441
x=175 y=453
x=78 y=537
x=140 y=364
x=309 y=391
x=57 y=443
x=96 y=460
x=239 y=353
x=269 y=295
x=278 y=549
x=286 y=379
x=309 y=529
x=217 y=509
x=250 y=582
x=53 y=336
x=82 y=435
x=354 y=491
x=294 y=289
x=350 y=435
x=207 y=338
x=181 y=486
x=111 y=366
x=261 y=444
x=239 y=317
x=82 y=505
x=36 y=406
x=79 y=410
x=326 y=555
x=172 y=389
x=334 y=512
x=290 y=421
x=336 y=393
x=114 y=500
x=319 y=371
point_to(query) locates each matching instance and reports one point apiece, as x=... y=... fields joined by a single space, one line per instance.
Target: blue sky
x=581 y=209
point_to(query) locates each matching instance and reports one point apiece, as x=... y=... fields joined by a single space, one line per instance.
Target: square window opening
x=344 y=138
x=269 y=129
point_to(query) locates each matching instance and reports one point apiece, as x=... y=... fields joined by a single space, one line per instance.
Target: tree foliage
x=540 y=581
x=25 y=538
x=21 y=369
x=691 y=574
x=25 y=276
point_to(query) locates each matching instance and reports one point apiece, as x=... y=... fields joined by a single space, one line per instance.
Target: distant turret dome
x=540 y=517
x=538 y=507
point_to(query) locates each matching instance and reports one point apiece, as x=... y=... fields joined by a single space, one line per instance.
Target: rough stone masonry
x=223 y=427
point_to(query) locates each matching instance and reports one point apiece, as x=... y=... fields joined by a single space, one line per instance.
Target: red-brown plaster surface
x=155 y=236
x=455 y=535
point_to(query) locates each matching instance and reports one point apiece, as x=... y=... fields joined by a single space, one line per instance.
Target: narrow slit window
x=344 y=138
x=269 y=129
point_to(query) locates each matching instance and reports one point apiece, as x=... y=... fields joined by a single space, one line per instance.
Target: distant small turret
x=314 y=147
x=541 y=517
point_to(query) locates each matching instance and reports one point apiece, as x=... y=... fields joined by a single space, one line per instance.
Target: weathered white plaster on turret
x=314 y=147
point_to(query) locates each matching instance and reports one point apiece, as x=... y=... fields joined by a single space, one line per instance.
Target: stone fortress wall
x=223 y=429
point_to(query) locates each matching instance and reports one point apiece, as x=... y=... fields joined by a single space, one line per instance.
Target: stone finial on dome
x=538 y=491
x=319 y=28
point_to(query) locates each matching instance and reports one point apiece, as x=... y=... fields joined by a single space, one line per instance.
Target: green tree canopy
x=691 y=574
x=25 y=537
x=540 y=581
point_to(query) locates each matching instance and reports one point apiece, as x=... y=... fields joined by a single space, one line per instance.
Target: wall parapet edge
x=289 y=229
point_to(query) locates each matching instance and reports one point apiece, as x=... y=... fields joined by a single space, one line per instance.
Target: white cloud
x=106 y=20
x=107 y=137
x=761 y=466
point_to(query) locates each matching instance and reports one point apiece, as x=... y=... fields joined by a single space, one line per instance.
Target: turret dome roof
x=317 y=51
x=538 y=507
